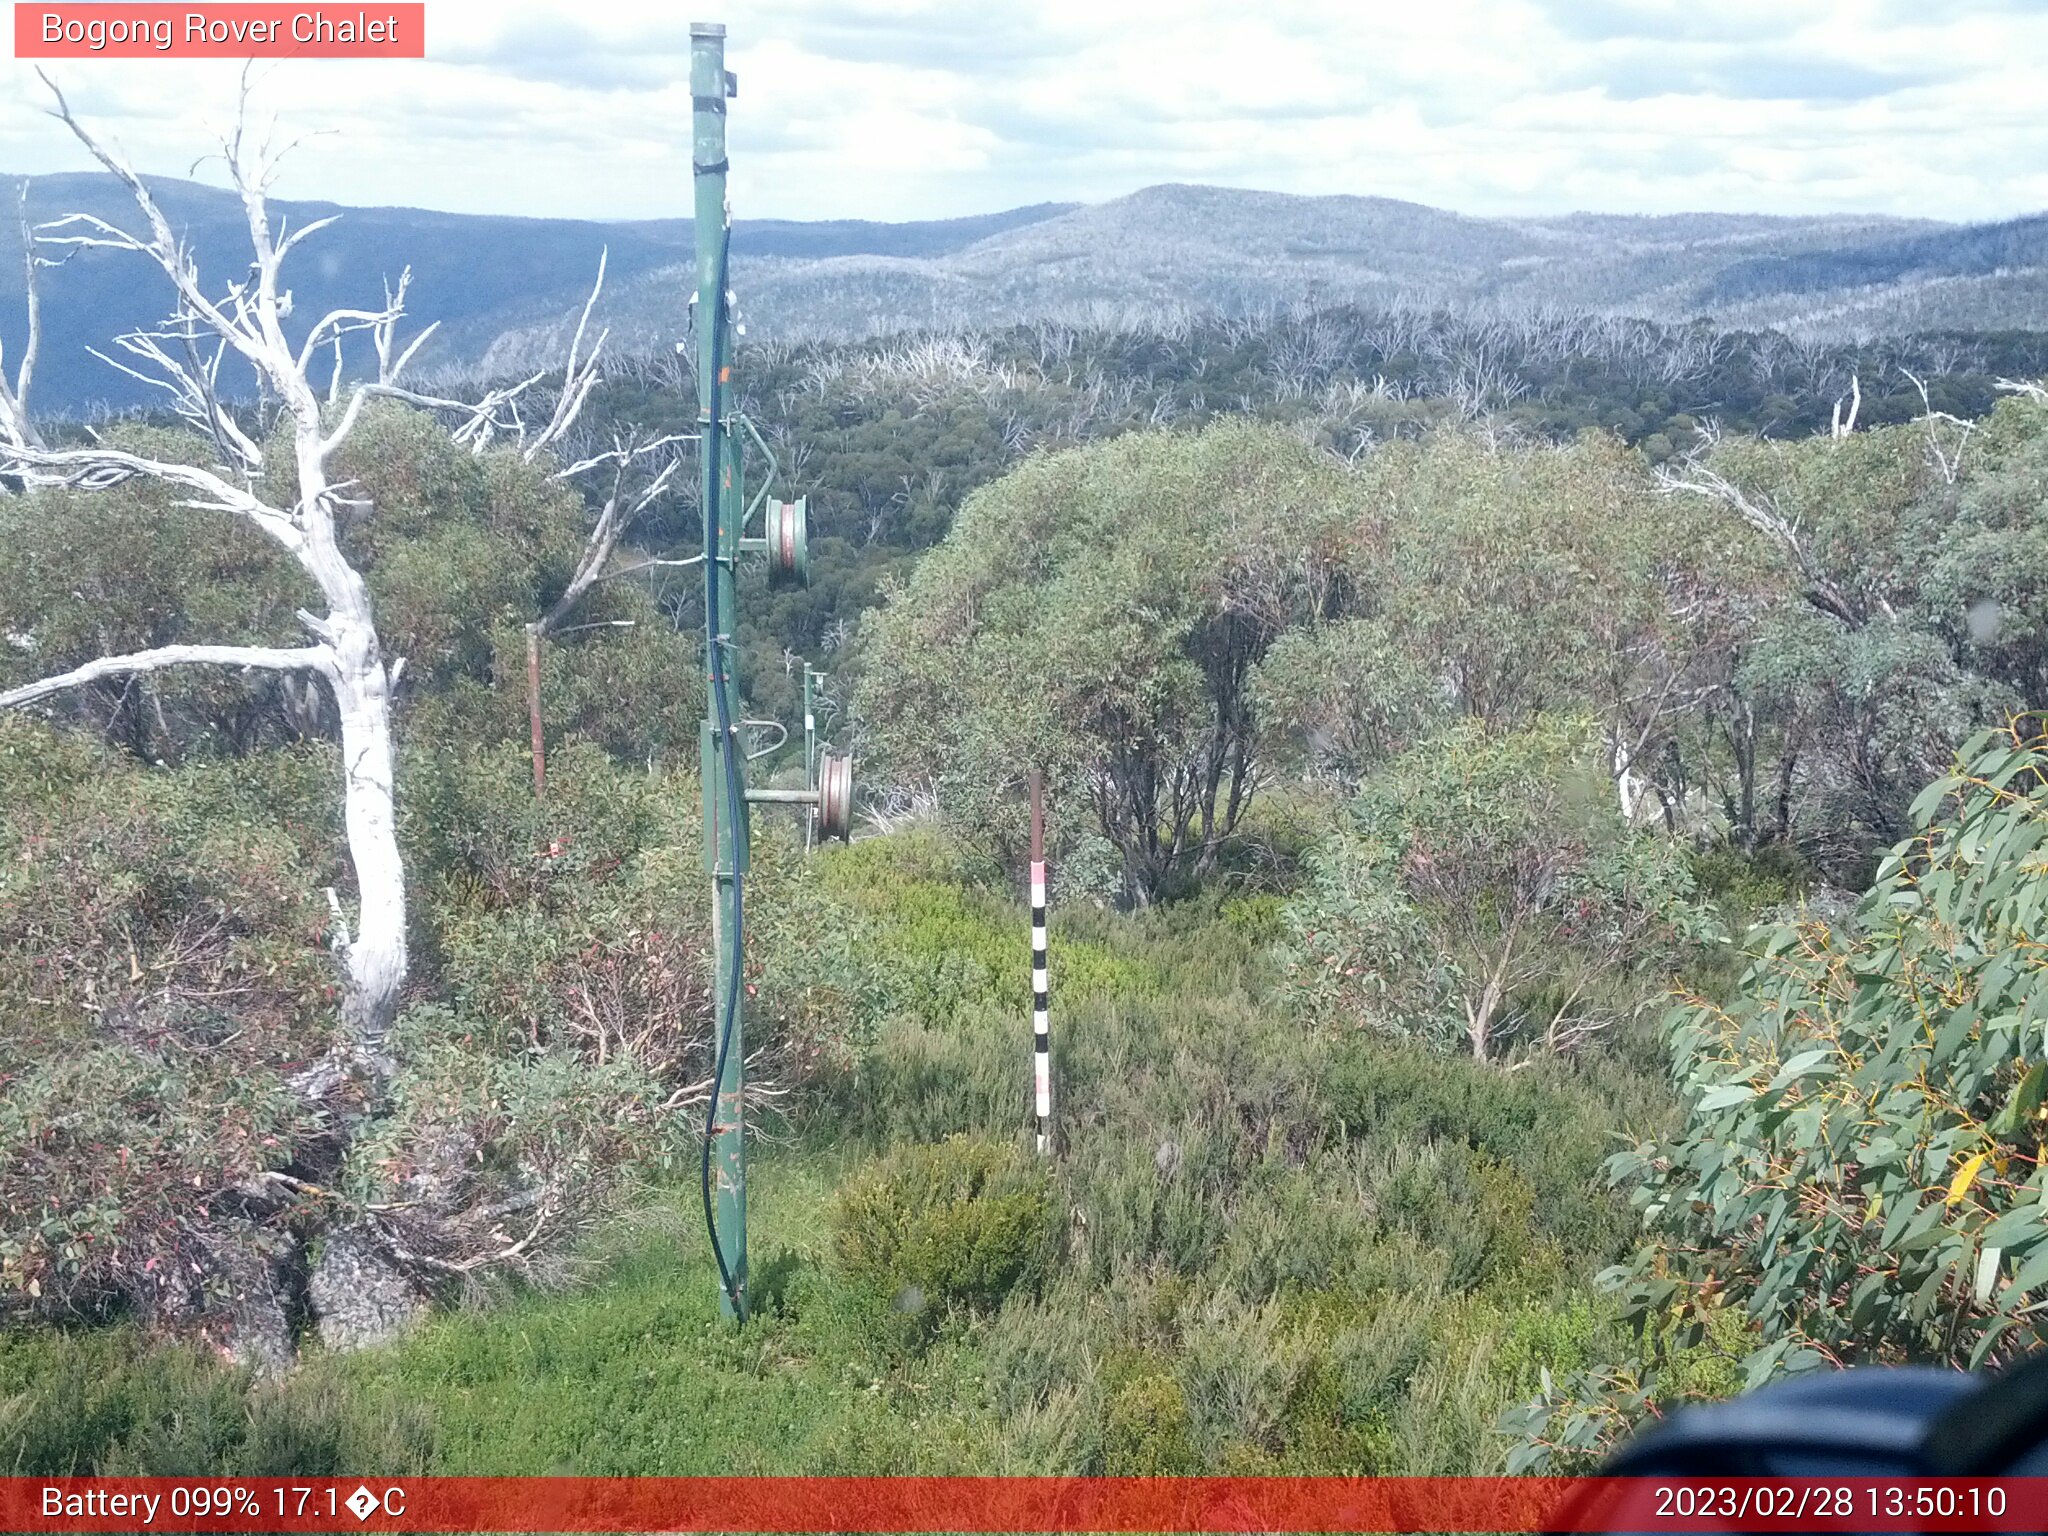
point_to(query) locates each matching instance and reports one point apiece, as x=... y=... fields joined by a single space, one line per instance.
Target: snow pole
x=1041 y=1026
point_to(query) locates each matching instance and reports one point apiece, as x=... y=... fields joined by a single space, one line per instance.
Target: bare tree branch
x=481 y=419
x=1696 y=477
x=577 y=382
x=624 y=452
x=618 y=515
x=168 y=252
x=317 y=658
x=96 y=469
x=194 y=391
x=1946 y=459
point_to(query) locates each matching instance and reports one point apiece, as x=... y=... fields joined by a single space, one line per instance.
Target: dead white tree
x=16 y=426
x=1693 y=474
x=621 y=509
x=1841 y=425
x=247 y=322
x=345 y=651
x=1947 y=435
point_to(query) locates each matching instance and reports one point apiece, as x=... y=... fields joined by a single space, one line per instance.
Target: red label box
x=244 y=29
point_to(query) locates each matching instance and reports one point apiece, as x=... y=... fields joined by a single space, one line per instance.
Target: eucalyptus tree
x=1099 y=613
x=1498 y=582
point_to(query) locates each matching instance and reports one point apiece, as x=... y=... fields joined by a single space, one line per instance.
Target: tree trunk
x=1783 y=830
x=1629 y=786
x=362 y=699
x=376 y=951
x=1745 y=766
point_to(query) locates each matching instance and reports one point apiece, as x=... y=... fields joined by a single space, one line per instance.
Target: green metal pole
x=725 y=837
x=810 y=754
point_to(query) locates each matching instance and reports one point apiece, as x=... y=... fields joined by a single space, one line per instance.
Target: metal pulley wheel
x=789 y=544
x=835 y=796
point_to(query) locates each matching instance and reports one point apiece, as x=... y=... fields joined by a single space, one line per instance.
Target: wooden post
x=540 y=760
x=1041 y=1032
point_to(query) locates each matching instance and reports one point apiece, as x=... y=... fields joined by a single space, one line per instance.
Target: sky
x=919 y=109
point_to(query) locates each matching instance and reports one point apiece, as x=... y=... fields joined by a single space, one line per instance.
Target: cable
x=731 y=769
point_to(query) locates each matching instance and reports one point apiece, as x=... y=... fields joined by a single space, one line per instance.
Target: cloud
x=894 y=109
x=1753 y=75
x=565 y=52
x=1908 y=12
x=965 y=40
x=1668 y=22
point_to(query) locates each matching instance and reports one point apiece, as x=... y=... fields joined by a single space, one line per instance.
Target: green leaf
x=1805 y=1064
x=2017 y=1225
x=1989 y=1338
x=1924 y=805
x=2027 y=1278
x=2022 y=1102
x=1903 y=1212
x=1724 y=1096
x=1863 y=1302
x=1923 y=1230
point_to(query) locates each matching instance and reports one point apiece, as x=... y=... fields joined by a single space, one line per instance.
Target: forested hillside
x=504 y=292
x=1544 y=819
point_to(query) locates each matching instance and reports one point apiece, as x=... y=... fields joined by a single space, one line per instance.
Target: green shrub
x=887 y=966
x=1145 y=1203
x=1298 y=1229
x=161 y=974
x=921 y=1082
x=1258 y=918
x=1748 y=885
x=1485 y=893
x=1146 y=1427
x=964 y=1221
x=1546 y=1124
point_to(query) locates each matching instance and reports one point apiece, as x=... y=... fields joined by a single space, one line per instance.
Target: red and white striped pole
x=1041 y=1029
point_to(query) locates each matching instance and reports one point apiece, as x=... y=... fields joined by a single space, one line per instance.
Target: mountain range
x=505 y=289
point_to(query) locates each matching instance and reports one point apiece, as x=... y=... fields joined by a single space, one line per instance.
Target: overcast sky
x=903 y=109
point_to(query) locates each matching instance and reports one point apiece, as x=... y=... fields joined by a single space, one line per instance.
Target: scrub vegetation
x=1544 y=927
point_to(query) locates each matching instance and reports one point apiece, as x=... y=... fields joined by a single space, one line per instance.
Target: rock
x=359 y=1296
x=230 y=1286
x=259 y=1330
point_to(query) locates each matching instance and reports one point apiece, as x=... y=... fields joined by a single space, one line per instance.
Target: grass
x=639 y=1375
x=635 y=1374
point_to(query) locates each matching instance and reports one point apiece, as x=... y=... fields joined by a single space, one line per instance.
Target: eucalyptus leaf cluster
x=1860 y=1177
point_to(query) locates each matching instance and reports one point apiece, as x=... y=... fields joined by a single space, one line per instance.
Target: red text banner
x=1019 y=1504
x=244 y=29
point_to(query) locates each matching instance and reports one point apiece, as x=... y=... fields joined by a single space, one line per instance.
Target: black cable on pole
x=712 y=444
